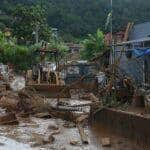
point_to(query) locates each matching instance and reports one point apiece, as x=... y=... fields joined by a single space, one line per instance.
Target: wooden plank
x=83 y=136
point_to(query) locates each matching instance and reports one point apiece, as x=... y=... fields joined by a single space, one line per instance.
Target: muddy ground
x=28 y=134
x=34 y=133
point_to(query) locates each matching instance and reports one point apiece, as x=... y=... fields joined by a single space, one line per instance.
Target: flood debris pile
x=20 y=103
x=26 y=103
x=121 y=92
x=116 y=88
x=8 y=119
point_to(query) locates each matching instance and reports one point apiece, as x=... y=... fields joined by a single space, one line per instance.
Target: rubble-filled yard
x=33 y=133
x=30 y=121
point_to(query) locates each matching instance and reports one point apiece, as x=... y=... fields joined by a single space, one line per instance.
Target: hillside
x=80 y=17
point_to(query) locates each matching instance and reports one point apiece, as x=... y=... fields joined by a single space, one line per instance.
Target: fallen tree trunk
x=83 y=135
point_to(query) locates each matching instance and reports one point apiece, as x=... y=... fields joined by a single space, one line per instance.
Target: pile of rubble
x=22 y=103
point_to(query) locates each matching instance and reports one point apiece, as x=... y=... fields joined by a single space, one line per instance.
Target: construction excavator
x=44 y=77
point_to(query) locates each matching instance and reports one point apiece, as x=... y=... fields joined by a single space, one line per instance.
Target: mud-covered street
x=31 y=133
x=43 y=131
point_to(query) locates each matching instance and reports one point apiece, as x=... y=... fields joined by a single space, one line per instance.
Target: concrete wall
x=126 y=124
x=133 y=67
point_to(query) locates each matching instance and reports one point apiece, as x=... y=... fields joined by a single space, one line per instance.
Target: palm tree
x=93 y=45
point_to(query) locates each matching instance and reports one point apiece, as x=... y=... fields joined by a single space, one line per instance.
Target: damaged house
x=135 y=55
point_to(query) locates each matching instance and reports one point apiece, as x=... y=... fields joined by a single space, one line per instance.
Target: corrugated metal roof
x=140 y=31
x=133 y=41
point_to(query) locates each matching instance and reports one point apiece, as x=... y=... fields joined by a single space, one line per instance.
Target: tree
x=93 y=45
x=28 y=20
x=17 y=55
x=81 y=17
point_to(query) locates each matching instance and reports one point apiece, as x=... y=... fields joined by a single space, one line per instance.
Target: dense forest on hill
x=80 y=17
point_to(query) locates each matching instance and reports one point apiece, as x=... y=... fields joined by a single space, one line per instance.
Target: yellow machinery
x=44 y=78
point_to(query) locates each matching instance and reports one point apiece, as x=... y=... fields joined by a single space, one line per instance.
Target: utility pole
x=37 y=34
x=111 y=31
x=111 y=22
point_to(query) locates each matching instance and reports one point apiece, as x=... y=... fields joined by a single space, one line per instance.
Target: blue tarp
x=141 y=52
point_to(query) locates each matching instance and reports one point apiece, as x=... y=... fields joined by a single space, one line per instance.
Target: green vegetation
x=11 y=53
x=22 y=57
x=93 y=45
x=74 y=19
x=29 y=20
x=59 y=45
x=17 y=43
x=78 y=18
